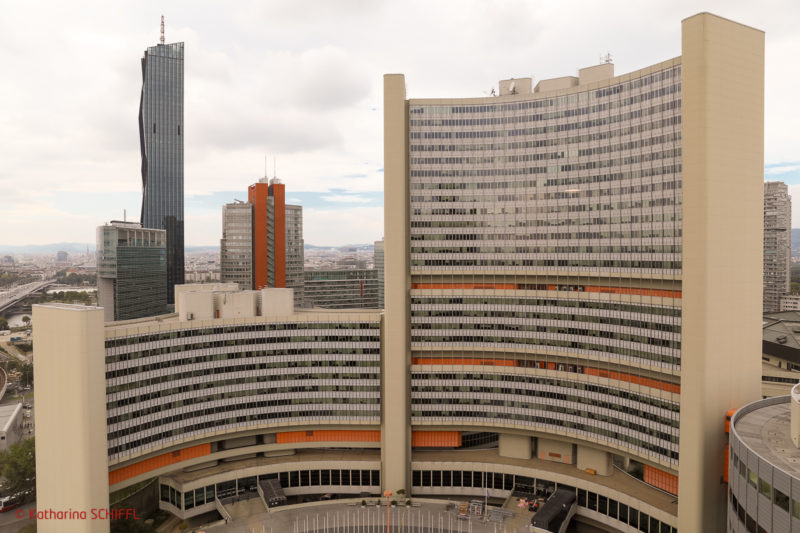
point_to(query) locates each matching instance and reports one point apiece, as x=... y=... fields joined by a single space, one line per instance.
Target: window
x=335 y=478
x=188 y=500
x=752 y=479
x=764 y=488
x=782 y=500
x=164 y=493
x=612 y=508
x=602 y=504
x=592 y=501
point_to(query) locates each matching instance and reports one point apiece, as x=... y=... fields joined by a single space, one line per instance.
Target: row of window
x=484 y=302
x=517 y=118
x=430 y=381
x=555 y=128
x=668 y=219
x=572 y=99
x=200 y=384
x=273 y=360
x=524 y=485
x=469 y=330
x=432 y=342
x=599 y=234
x=519 y=316
x=544 y=251
x=332 y=394
x=491 y=264
x=629 y=175
x=242 y=328
x=586 y=138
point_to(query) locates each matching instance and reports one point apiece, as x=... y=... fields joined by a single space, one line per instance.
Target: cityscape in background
x=563 y=324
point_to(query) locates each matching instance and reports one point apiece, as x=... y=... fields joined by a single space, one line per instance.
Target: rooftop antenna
x=124 y=215
x=274 y=166
x=606 y=58
x=162 y=29
x=265 y=166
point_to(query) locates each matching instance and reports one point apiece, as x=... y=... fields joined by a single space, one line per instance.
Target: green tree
x=26 y=319
x=3 y=323
x=18 y=466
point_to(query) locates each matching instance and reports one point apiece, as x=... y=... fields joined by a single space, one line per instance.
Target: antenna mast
x=162 y=29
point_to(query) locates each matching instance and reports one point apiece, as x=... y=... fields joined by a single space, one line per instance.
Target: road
x=16 y=519
x=5 y=344
x=12 y=295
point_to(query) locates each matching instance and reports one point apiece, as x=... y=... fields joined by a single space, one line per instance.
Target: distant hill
x=69 y=247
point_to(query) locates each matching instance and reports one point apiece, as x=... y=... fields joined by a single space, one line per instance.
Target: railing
x=222 y=511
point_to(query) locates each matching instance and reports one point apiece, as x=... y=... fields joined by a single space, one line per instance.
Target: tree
x=18 y=466
x=26 y=319
x=3 y=323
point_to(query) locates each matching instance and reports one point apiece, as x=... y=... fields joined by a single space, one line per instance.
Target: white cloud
x=302 y=81
x=336 y=227
x=345 y=198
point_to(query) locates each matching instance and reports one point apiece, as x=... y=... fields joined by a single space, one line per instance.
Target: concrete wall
x=556 y=451
x=199 y=304
x=105 y=297
x=515 y=446
x=554 y=84
x=594 y=459
x=723 y=171
x=71 y=450
x=238 y=304
x=201 y=287
x=395 y=424
x=595 y=73
x=277 y=302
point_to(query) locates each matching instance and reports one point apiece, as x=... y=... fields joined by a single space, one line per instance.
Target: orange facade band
x=165 y=459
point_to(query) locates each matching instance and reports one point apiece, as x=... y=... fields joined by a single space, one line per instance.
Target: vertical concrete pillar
x=71 y=447
x=395 y=424
x=514 y=446
x=723 y=174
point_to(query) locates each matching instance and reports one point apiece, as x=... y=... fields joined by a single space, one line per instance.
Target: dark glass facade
x=161 y=142
x=131 y=273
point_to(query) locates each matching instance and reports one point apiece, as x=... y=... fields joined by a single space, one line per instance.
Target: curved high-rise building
x=161 y=143
x=561 y=261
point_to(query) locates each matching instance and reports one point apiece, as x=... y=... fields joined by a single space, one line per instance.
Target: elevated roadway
x=13 y=295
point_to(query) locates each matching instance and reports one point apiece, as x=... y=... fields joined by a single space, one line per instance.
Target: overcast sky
x=301 y=81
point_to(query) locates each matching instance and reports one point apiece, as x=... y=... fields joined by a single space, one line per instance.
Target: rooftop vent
x=781 y=339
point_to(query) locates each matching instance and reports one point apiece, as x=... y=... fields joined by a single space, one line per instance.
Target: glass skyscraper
x=161 y=140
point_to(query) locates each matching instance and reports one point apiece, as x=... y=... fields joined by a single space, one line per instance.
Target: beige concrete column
x=514 y=446
x=723 y=174
x=395 y=424
x=595 y=460
x=71 y=448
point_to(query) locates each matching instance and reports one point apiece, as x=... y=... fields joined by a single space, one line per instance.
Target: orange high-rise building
x=269 y=232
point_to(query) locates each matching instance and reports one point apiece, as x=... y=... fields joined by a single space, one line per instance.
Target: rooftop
x=766 y=431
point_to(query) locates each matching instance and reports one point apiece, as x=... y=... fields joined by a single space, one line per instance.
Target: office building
x=342 y=289
x=62 y=257
x=277 y=238
x=764 y=466
x=378 y=266
x=161 y=144
x=777 y=244
x=587 y=226
x=131 y=271
x=790 y=302
x=295 y=252
x=236 y=245
x=558 y=305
